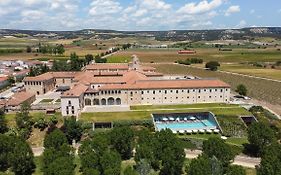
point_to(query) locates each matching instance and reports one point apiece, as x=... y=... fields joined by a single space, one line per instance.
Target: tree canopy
x=212 y=65
x=241 y=90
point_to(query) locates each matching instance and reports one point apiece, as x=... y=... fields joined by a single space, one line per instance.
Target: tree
x=28 y=49
x=89 y=58
x=3 y=123
x=55 y=139
x=260 y=135
x=72 y=129
x=122 y=140
x=170 y=152
x=143 y=167
x=200 y=166
x=22 y=159
x=74 y=62
x=6 y=147
x=60 y=49
x=11 y=80
x=212 y=65
x=130 y=171
x=271 y=160
x=241 y=89
x=235 y=170
x=215 y=146
x=61 y=166
x=23 y=120
x=110 y=163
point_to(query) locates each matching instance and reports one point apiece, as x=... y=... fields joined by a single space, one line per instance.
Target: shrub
x=212 y=65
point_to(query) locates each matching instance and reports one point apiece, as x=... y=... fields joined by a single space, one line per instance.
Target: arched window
x=110 y=101
x=88 y=102
x=103 y=101
x=118 y=101
x=96 y=102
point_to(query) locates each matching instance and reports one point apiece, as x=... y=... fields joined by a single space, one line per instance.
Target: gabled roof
x=76 y=91
x=19 y=97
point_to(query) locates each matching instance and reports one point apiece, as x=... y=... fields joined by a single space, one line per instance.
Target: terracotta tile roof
x=42 y=77
x=133 y=76
x=19 y=97
x=169 y=84
x=104 y=66
x=3 y=79
x=50 y=75
x=76 y=91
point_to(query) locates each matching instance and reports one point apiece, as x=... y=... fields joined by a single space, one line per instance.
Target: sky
x=137 y=15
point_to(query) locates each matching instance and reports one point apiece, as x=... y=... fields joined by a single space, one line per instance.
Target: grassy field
x=208 y=54
x=144 y=112
x=251 y=70
x=263 y=90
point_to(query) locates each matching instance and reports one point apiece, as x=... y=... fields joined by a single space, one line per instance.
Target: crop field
x=207 y=54
x=251 y=70
x=262 y=90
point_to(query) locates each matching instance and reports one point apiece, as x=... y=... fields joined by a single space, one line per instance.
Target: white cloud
x=154 y=4
x=102 y=7
x=279 y=11
x=232 y=9
x=201 y=7
x=32 y=14
x=242 y=23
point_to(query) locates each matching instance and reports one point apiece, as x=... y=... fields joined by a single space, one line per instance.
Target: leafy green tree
x=200 y=166
x=72 y=129
x=11 y=80
x=270 y=160
x=28 y=49
x=6 y=147
x=89 y=58
x=60 y=49
x=121 y=139
x=260 y=136
x=75 y=64
x=215 y=146
x=216 y=165
x=23 y=120
x=55 y=139
x=3 y=123
x=169 y=149
x=241 y=90
x=41 y=124
x=110 y=163
x=235 y=170
x=61 y=166
x=143 y=167
x=212 y=65
x=130 y=171
x=22 y=159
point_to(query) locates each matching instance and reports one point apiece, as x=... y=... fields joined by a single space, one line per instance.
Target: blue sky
x=138 y=14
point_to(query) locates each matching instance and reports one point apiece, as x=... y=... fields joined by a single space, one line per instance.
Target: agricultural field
x=262 y=90
x=238 y=55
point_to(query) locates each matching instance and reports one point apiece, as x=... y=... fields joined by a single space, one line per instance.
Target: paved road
x=242 y=160
x=245 y=161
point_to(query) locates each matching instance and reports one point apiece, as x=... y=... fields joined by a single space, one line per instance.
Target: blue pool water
x=204 y=124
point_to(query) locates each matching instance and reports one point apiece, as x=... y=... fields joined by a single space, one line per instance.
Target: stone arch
x=110 y=101
x=96 y=101
x=88 y=102
x=103 y=101
x=118 y=101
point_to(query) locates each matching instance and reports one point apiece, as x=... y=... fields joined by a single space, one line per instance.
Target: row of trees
x=38 y=70
x=56 y=49
x=190 y=61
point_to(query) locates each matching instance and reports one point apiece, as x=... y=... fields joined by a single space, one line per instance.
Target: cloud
x=242 y=23
x=201 y=7
x=103 y=7
x=252 y=11
x=232 y=9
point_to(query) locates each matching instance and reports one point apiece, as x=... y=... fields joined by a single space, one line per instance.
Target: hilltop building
x=125 y=84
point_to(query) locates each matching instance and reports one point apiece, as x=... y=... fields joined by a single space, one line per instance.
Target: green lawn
x=203 y=105
x=118 y=59
x=144 y=112
x=46 y=100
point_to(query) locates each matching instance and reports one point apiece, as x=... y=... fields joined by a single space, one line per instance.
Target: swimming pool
x=183 y=122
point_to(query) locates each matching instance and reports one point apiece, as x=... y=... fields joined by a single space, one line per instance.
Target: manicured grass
x=203 y=105
x=146 y=114
x=46 y=100
x=118 y=59
x=263 y=90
